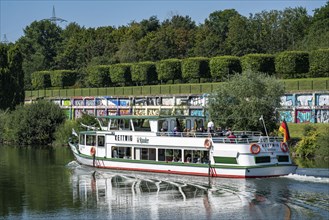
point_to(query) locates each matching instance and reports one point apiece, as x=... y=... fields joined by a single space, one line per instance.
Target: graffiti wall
x=322 y=116
x=304 y=100
x=288 y=101
x=295 y=108
x=322 y=100
x=305 y=116
x=287 y=115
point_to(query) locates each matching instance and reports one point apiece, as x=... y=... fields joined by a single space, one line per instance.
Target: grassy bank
x=296 y=130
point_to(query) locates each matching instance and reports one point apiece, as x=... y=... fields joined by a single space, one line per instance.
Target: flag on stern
x=284 y=130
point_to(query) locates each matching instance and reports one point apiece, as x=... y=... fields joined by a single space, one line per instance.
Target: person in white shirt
x=210 y=126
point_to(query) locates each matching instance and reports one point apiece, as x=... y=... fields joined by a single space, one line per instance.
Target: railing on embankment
x=291 y=85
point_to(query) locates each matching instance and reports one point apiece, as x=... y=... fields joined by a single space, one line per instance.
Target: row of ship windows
x=167 y=155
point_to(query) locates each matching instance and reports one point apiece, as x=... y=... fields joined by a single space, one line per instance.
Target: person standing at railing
x=210 y=126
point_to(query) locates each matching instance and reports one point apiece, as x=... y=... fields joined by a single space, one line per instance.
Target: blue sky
x=15 y=15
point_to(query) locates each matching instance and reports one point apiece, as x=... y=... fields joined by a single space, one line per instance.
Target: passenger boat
x=154 y=144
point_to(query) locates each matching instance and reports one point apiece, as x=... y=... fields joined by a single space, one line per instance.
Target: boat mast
x=262 y=119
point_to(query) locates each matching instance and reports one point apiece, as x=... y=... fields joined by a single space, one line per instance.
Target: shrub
x=144 y=72
x=169 y=69
x=319 y=63
x=258 y=63
x=120 y=73
x=34 y=123
x=224 y=66
x=41 y=79
x=322 y=143
x=292 y=64
x=195 y=68
x=62 y=78
x=98 y=76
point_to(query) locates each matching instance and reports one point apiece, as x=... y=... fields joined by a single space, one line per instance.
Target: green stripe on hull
x=226 y=160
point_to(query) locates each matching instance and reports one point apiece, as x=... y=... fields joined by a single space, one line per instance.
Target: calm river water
x=49 y=184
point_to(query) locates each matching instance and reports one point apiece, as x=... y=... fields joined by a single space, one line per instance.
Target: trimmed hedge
x=292 y=64
x=144 y=72
x=98 y=76
x=169 y=69
x=120 y=73
x=223 y=66
x=195 y=68
x=62 y=78
x=41 y=79
x=319 y=63
x=264 y=63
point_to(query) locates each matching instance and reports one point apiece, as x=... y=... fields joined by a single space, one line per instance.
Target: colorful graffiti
x=287 y=115
x=287 y=101
x=305 y=116
x=196 y=112
x=196 y=101
x=322 y=116
x=304 y=100
x=322 y=100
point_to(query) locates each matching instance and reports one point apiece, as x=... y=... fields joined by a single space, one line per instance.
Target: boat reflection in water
x=133 y=195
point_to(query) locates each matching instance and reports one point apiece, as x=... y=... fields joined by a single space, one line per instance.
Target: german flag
x=284 y=130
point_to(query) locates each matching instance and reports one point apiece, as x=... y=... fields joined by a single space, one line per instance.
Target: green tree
x=39 y=46
x=11 y=77
x=323 y=145
x=307 y=145
x=241 y=101
x=218 y=26
x=240 y=37
x=318 y=33
x=33 y=124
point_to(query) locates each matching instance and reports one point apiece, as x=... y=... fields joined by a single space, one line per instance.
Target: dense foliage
x=292 y=64
x=241 y=102
x=224 y=66
x=258 y=63
x=47 y=46
x=319 y=65
x=313 y=143
x=32 y=124
x=11 y=77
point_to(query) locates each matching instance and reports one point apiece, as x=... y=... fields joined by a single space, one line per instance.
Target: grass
x=296 y=130
x=291 y=85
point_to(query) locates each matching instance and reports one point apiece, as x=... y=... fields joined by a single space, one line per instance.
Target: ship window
x=91 y=140
x=82 y=139
x=121 y=152
x=196 y=156
x=188 y=124
x=171 y=155
x=283 y=158
x=101 y=141
x=161 y=154
x=148 y=154
x=266 y=159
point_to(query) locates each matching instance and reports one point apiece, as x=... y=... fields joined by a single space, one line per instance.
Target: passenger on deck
x=228 y=132
x=232 y=135
x=210 y=127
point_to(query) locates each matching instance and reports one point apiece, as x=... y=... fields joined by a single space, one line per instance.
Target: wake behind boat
x=144 y=143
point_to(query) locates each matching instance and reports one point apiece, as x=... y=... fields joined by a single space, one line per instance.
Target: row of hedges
x=55 y=78
x=289 y=64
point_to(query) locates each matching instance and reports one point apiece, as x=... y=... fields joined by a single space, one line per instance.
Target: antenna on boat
x=262 y=119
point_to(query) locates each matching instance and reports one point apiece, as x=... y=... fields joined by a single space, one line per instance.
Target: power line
x=5 y=40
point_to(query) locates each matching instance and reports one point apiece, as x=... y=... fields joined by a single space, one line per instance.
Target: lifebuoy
x=284 y=146
x=92 y=151
x=254 y=148
x=207 y=143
